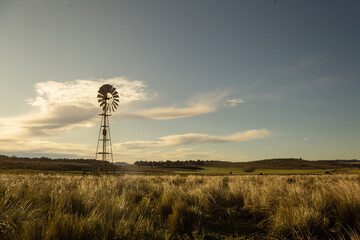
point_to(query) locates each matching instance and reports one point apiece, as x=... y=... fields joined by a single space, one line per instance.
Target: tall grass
x=179 y=207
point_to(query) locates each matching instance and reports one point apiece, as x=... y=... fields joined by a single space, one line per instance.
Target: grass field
x=180 y=207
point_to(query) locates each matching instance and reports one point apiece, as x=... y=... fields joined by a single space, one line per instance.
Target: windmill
x=108 y=98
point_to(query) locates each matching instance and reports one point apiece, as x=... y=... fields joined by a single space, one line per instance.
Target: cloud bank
x=60 y=106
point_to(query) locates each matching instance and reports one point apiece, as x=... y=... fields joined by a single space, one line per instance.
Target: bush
x=248 y=169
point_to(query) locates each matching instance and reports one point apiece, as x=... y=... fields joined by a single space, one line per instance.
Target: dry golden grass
x=180 y=207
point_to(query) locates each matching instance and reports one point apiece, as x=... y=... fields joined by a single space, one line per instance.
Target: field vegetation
x=179 y=207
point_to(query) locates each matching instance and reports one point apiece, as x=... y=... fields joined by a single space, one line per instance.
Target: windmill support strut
x=105 y=139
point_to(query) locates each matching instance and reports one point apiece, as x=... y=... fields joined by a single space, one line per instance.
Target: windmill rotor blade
x=102 y=103
x=108 y=87
x=103 y=87
x=100 y=96
x=116 y=99
x=115 y=95
x=115 y=103
x=101 y=100
x=113 y=90
x=102 y=91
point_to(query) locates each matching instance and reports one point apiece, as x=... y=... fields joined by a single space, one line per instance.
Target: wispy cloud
x=234 y=102
x=202 y=103
x=194 y=139
x=46 y=147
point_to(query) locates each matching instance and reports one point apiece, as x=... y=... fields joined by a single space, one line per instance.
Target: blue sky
x=227 y=80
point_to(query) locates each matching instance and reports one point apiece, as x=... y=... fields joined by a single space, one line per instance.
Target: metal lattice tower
x=108 y=98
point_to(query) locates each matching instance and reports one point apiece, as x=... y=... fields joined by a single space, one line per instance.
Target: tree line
x=169 y=163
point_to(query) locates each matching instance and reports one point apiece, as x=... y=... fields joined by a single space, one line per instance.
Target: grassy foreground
x=180 y=207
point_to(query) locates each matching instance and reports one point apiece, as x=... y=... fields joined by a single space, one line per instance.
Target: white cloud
x=64 y=105
x=234 y=102
x=193 y=139
x=83 y=93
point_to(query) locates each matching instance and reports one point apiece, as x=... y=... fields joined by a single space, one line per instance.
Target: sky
x=234 y=80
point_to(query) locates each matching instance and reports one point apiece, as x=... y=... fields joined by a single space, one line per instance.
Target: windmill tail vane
x=108 y=98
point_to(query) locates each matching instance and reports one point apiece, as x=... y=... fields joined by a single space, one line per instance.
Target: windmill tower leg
x=104 y=139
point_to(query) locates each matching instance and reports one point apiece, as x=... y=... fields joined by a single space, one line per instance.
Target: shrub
x=249 y=169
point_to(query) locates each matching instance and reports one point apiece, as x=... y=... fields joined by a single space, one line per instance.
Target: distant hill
x=288 y=163
x=343 y=161
x=279 y=163
x=62 y=164
x=48 y=164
